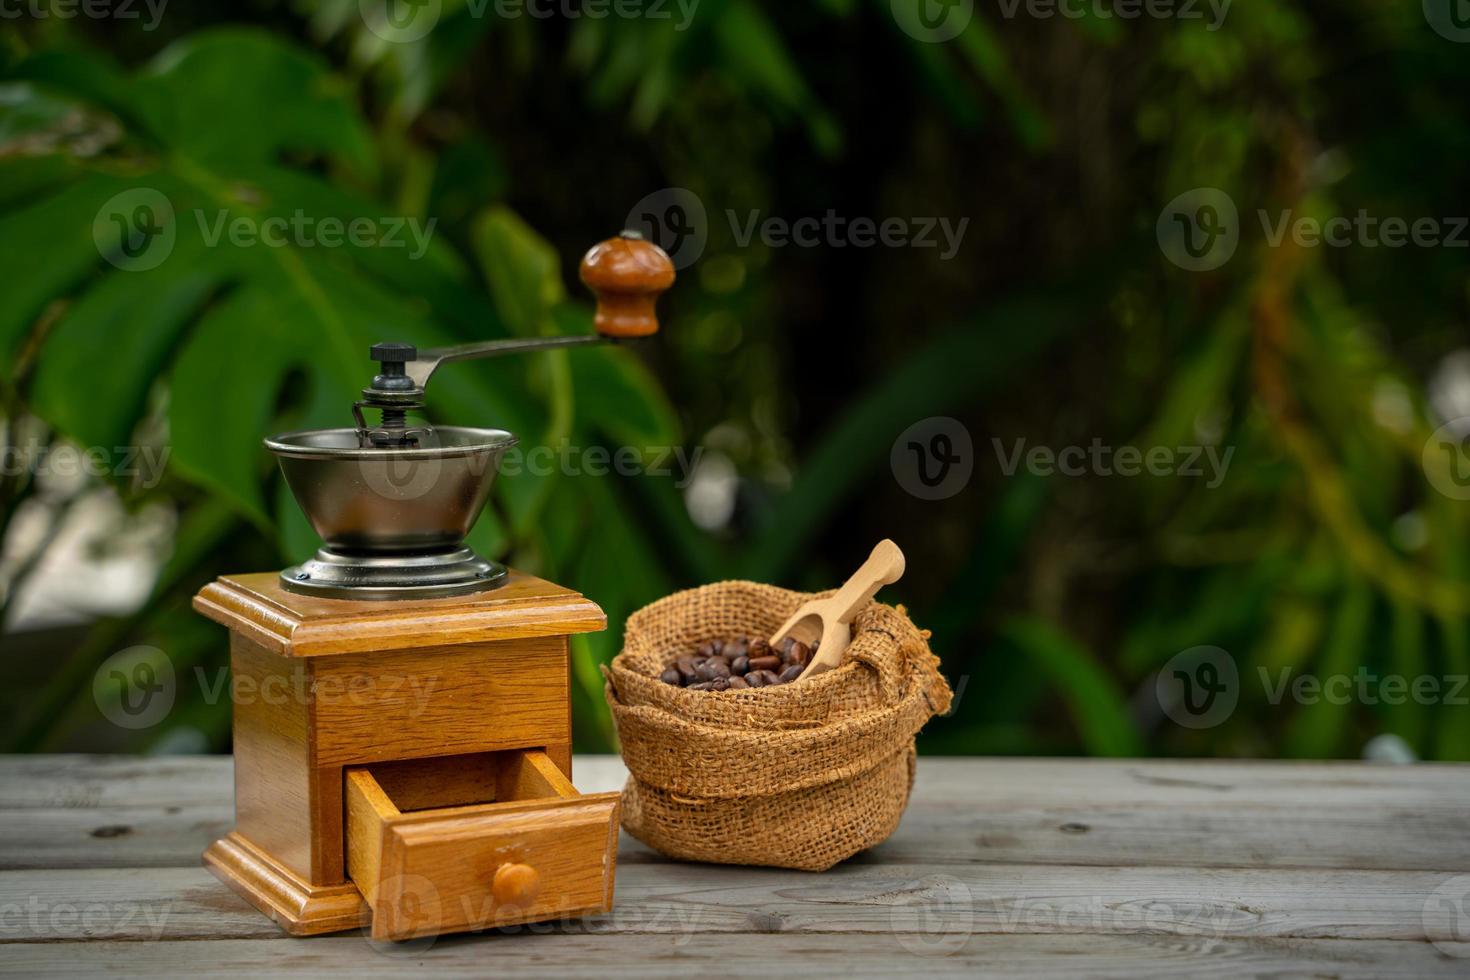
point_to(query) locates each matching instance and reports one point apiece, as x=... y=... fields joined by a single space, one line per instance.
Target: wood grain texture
x=274 y=791
x=293 y=625
x=688 y=899
x=86 y=903
x=117 y=811
x=368 y=811
x=1136 y=957
x=298 y=906
x=626 y=276
x=441 y=700
x=454 y=780
x=319 y=685
x=436 y=871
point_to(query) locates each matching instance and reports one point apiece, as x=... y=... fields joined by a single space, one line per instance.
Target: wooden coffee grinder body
x=405 y=766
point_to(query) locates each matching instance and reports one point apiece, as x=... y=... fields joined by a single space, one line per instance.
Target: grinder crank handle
x=626 y=274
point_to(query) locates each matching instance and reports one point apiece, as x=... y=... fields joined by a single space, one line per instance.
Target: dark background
x=1332 y=547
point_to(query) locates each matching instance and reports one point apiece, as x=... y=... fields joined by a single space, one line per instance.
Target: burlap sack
x=796 y=776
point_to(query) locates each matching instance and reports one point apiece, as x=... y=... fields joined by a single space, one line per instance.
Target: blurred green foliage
x=1054 y=600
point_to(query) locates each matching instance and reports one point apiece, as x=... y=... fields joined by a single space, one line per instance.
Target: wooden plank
x=112 y=836
x=122 y=837
x=1131 y=957
x=691 y=899
x=85 y=780
x=64 y=782
x=1205 y=782
x=161 y=812
x=1369 y=837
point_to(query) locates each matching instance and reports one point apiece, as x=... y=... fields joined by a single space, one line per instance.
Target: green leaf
x=90 y=78
x=523 y=270
x=49 y=250
x=1005 y=533
x=993 y=345
x=1318 y=728
x=115 y=343
x=217 y=408
x=617 y=395
x=233 y=96
x=1408 y=659
x=754 y=52
x=1097 y=706
x=987 y=56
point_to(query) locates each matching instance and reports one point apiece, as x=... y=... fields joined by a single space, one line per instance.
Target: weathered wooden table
x=1001 y=866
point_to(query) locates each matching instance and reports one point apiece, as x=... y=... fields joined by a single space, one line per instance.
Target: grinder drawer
x=474 y=842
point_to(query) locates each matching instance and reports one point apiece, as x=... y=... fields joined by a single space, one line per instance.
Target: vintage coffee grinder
x=402 y=725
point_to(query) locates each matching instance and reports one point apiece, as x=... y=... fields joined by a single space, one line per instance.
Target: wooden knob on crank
x=626 y=274
x=515 y=884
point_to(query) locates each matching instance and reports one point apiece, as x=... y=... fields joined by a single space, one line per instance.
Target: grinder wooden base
x=408 y=763
x=297 y=906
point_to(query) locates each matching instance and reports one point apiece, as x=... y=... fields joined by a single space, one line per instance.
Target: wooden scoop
x=825 y=625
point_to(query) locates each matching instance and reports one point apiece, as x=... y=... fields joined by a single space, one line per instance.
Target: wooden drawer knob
x=515 y=884
x=626 y=274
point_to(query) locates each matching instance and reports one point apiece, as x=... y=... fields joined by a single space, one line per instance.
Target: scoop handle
x=883 y=567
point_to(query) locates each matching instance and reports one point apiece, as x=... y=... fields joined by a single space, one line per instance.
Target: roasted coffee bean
x=738 y=664
x=713 y=669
